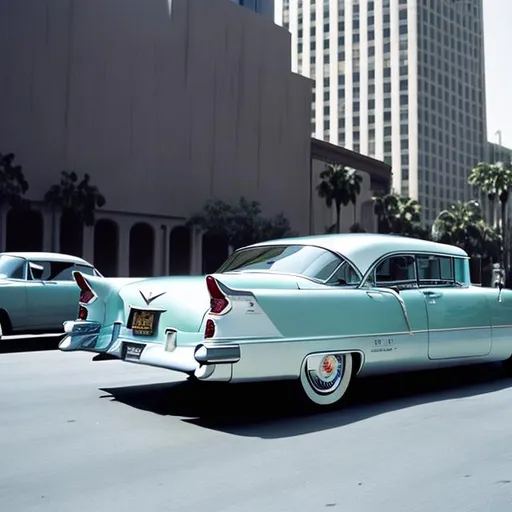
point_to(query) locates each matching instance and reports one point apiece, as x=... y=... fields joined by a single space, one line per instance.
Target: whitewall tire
x=325 y=377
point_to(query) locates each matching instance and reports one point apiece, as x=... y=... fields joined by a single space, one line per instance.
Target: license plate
x=143 y=323
x=133 y=350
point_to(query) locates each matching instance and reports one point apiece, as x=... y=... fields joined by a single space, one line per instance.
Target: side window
x=88 y=271
x=62 y=271
x=52 y=270
x=39 y=270
x=462 y=273
x=17 y=271
x=435 y=270
x=395 y=270
x=344 y=275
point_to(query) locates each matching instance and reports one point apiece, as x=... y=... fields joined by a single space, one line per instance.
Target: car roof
x=362 y=249
x=48 y=256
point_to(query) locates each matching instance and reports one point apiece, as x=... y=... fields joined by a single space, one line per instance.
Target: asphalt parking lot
x=77 y=435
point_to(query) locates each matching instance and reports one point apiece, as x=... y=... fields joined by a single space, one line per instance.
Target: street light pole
x=499 y=134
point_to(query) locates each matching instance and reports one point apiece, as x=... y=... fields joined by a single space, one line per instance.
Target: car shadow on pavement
x=275 y=410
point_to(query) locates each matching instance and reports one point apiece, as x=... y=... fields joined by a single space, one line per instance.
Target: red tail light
x=86 y=294
x=82 y=313
x=218 y=301
x=209 y=330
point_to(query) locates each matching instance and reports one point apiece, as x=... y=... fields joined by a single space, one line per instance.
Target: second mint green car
x=320 y=310
x=38 y=292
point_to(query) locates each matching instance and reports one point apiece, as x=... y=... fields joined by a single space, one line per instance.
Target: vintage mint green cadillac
x=38 y=292
x=318 y=309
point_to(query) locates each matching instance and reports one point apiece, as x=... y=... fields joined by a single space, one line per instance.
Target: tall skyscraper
x=264 y=7
x=400 y=80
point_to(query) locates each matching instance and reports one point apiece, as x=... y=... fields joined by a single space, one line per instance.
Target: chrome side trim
x=151 y=310
x=402 y=305
x=249 y=339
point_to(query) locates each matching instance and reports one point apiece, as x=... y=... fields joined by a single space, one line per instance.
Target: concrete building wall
x=164 y=103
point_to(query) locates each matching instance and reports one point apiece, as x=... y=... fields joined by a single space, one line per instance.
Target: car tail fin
x=87 y=295
x=92 y=287
x=219 y=302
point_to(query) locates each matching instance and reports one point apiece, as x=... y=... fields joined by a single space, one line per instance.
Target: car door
x=458 y=316
x=67 y=292
x=395 y=301
x=13 y=290
x=40 y=295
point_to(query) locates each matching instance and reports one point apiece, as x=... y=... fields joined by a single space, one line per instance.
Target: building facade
x=166 y=105
x=498 y=153
x=400 y=80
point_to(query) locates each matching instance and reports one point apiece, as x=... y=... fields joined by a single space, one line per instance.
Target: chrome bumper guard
x=217 y=354
x=80 y=335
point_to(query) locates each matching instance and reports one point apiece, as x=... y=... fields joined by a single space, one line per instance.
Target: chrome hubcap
x=325 y=373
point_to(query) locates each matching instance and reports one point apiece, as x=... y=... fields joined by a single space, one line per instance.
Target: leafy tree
x=463 y=225
x=240 y=225
x=76 y=199
x=339 y=186
x=13 y=184
x=495 y=180
x=357 y=228
x=399 y=215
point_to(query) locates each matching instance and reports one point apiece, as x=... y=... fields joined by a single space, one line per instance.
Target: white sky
x=498 y=67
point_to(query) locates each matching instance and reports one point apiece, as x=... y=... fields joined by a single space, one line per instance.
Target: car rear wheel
x=325 y=377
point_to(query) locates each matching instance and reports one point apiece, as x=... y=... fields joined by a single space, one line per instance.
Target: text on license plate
x=143 y=323
x=133 y=350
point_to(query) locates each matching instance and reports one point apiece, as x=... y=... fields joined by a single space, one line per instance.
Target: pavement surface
x=77 y=435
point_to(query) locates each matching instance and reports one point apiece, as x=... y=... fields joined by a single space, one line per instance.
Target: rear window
x=312 y=262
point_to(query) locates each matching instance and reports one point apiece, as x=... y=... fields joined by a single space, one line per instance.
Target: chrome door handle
x=432 y=295
x=374 y=295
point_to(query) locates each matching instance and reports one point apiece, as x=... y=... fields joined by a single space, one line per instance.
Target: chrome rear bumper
x=206 y=360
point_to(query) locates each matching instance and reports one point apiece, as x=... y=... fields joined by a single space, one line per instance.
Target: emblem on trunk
x=150 y=298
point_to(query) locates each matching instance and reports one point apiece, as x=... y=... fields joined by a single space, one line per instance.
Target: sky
x=498 y=69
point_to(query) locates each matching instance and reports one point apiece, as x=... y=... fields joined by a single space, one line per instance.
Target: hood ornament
x=150 y=298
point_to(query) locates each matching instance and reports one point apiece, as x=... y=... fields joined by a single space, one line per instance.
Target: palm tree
x=495 y=180
x=13 y=184
x=463 y=225
x=354 y=182
x=397 y=214
x=77 y=202
x=79 y=199
x=339 y=186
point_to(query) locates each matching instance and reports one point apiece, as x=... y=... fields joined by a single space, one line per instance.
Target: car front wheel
x=325 y=377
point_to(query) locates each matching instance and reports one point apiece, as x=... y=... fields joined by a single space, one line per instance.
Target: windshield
x=312 y=262
x=11 y=267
